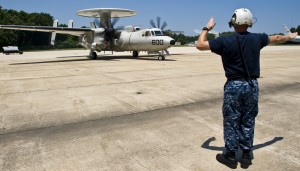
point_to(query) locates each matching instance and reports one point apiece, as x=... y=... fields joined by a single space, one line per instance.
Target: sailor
x=240 y=55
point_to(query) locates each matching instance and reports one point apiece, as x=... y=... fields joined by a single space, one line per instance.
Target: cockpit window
x=158 y=33
x=153 y=33
x=147 y=33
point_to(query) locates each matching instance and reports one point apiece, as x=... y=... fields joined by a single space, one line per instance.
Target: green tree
x=298 y=29
x=66 y=41
x=23 y=39
x=228 y=33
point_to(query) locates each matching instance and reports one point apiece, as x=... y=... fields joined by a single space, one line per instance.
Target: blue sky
x=181 y=15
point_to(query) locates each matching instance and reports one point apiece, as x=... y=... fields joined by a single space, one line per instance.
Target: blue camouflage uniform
x=240 y=105
x=240 y=108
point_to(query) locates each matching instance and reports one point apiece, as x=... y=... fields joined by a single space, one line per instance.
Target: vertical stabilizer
x=93 y=25
x=287 y=30
x=55 y=24
x=70 y=24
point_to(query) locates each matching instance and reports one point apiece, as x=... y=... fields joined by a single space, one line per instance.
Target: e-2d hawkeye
x=105 y=37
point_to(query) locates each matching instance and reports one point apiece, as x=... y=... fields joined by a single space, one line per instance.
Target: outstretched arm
x=281 y=39
x=202 y=40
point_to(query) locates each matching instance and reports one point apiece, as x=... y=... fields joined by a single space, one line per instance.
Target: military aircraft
x=296 y=39
x=107 y=38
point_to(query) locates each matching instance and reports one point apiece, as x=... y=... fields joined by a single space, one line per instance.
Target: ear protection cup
x=232 y=21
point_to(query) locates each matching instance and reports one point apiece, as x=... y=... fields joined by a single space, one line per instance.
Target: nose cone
x=172 y=42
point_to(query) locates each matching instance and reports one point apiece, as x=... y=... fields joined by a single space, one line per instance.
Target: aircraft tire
x=161 y=58
x=94 y=56
x=135 y=54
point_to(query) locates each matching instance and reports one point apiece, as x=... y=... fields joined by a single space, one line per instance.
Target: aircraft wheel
x=162 y=57
x=94 y=55
x=135 y=54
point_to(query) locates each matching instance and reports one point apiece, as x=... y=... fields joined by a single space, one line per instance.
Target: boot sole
x=232 y=166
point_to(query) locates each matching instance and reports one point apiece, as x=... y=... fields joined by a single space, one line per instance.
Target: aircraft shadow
x=176 y=54
x=79 y=56
x=147 y=58
x=45 y=62
x=110 y=58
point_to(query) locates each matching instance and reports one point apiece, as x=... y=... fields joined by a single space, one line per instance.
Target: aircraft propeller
x=158 y=20
x=109 y=29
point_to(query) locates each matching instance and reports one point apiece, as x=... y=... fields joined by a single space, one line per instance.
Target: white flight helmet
x=241 y=16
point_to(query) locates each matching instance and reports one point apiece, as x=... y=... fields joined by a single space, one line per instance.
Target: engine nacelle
x=99 y=46
x=99 y=30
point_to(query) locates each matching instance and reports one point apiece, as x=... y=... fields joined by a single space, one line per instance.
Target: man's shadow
x=239 y=153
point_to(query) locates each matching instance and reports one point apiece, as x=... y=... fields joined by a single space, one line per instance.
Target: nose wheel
x=161 y=57
x=94 y=55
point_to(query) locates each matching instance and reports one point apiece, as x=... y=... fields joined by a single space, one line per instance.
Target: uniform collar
x=242 y=33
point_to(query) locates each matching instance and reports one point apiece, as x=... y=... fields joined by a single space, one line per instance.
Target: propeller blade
x=164 y=25
x=114 y=21
x=103 y=25
x=158 y=22
x=97 y=22
x=111 y=44
x=152 y=23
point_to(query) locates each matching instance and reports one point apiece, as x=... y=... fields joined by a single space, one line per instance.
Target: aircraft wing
x=61 y=30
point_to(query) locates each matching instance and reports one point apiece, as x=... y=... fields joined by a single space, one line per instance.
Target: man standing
x=240 y=57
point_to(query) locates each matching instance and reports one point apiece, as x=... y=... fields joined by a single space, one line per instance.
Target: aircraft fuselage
x=141 y=40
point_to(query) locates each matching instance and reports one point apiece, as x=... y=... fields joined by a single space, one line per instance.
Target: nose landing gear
x=161 y=57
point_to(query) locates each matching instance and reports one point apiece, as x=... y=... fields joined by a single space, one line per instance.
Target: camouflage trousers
x=240 y=107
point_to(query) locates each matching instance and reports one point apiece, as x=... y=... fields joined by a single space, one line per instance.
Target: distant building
x=177 y=43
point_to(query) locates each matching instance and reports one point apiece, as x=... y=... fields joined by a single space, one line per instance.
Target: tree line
x=29 y=40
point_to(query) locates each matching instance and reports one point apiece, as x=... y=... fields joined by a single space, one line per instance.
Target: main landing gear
x=161 y=57
x=93 y=55
x=135 y=54
x=161 y=54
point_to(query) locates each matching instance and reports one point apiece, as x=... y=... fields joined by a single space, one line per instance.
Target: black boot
x=246 y=160
x=227 y=159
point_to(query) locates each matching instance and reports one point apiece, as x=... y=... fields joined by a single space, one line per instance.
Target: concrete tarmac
x=62 y=111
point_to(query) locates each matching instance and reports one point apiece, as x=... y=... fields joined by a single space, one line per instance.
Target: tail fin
x=55 y=24
x=70 y=24
x=93 y=25
x=286 y=29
